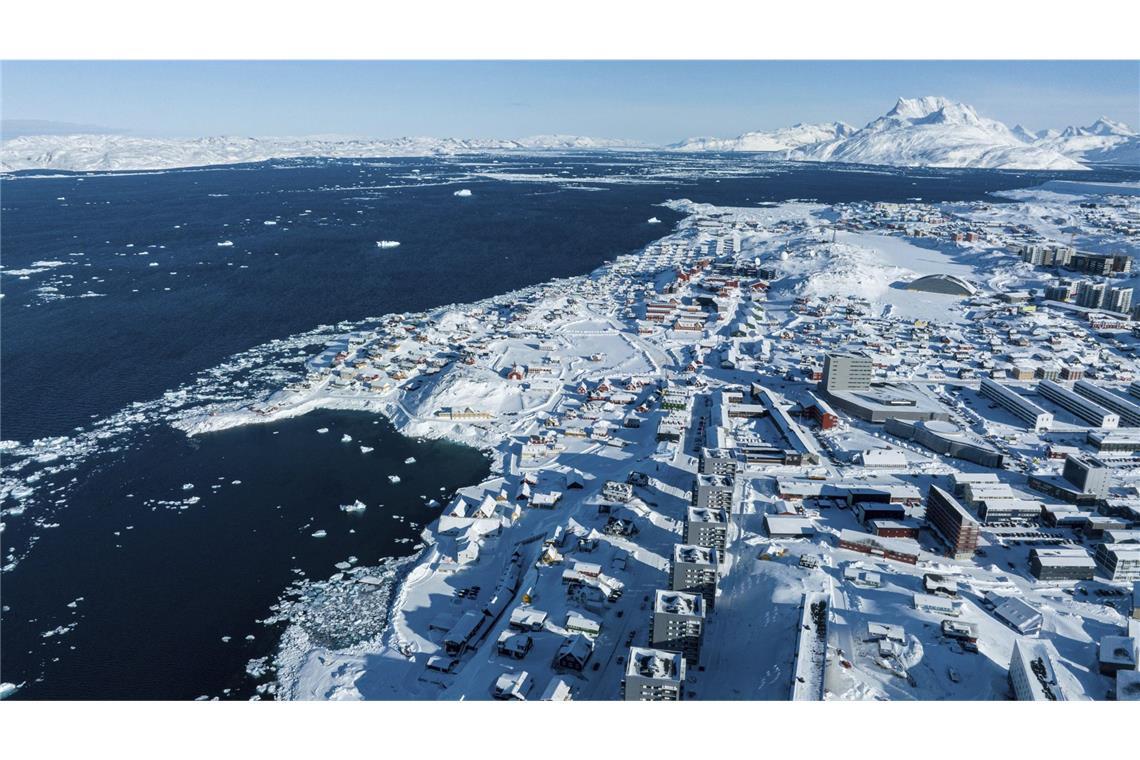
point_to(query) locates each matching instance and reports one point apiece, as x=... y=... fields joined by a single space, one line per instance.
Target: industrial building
x=1017 y=405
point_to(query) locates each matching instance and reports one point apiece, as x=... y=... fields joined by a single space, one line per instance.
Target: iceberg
x=464 y=193
x=356 y=506
x=387 y=243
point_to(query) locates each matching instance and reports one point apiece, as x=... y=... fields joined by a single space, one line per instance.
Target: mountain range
x=927 y=131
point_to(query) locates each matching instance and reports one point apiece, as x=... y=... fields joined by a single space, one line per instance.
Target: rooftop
x=679 y=603
x=654 y=663
x=693 y=555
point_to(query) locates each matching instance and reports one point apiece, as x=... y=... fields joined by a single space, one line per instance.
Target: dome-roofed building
x=943 y=283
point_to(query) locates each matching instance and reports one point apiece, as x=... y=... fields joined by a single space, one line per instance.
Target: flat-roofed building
x=707 y=527
x=1019 y=511
x=1087 y=473
x=1126 y=441
x=788 y=526
x=844 y=372
x=1061 y=564
x=678 y=623
x=1033 y=673
x=654 y=675
x=1129 y=411
x=716 y=461
x=953 y=524
x=1020 y=407
x=1081 y=407
x=897 y=549
x=1120 y=562
x=960 y=480
x=695 y=571
x=1116 y=653
x=712 y=491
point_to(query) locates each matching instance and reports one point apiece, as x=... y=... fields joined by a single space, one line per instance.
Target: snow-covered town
x=795 y=451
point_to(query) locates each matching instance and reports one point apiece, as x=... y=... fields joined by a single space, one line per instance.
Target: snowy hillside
x=937 y=132
x=786 y=139
x=119 y=152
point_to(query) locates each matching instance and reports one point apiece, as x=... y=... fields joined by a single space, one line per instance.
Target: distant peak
x=933 y=108
x=1107 y=126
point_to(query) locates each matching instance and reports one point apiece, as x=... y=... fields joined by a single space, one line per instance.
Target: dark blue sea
x=127 y=298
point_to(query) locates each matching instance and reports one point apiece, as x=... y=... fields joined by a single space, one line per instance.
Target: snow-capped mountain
x=120 y=152
x=575 y=142
x=929 y=131
x=937 y=132
x=785 y=139
x=1103 y=141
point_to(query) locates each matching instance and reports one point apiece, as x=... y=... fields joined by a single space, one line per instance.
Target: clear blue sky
x=656 y=102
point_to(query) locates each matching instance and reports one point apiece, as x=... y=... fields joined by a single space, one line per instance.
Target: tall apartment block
x=708 y=528
x=654 y=675
x=695 y=571
x=712 y=491
x=953 y=524
x=847 y=372
x=678 y=623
